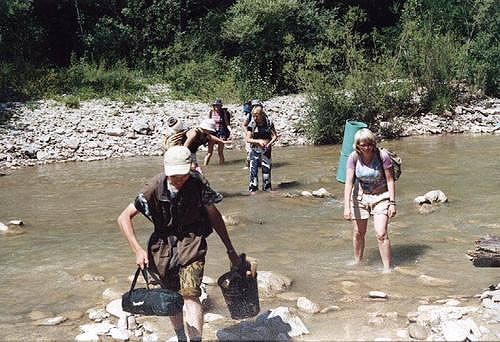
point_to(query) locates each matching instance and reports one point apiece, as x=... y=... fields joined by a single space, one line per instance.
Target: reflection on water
x=70 y=212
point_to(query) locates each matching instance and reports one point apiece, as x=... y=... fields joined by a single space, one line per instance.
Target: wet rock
x=72 y=143
x=427 y=208
x=16 y=222
x=297 y=326
x=322 y=192
x=230 y=220
x=119 y=334
x=306 y=305
x=306 y=194
x=270 y=283
x=87 y=337
x=97 y=328
x=330 y=308
x=97 y=314
x=3 y=228
x=115 y=308
x=431 y=281
x=452 y=331
x=436 y=196
x=417 y=331
x=51 y=321
x=377 y=294
x=111 y=294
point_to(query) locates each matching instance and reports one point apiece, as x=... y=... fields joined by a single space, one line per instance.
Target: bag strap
x=145 y=272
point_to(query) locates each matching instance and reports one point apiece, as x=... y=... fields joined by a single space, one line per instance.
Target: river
x=70 y=211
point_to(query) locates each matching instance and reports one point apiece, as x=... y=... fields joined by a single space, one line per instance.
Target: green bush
x=71 y=101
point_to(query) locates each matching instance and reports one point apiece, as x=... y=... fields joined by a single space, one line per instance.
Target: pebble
x=377 y=294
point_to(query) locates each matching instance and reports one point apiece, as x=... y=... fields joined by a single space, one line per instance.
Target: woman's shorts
x=363 y=205
x=187 y=279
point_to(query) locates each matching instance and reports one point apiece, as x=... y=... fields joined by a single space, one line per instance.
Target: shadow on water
x=288 y=185
x=229 y=194
x=402 y=254
x=280 y=164
x=241 y=161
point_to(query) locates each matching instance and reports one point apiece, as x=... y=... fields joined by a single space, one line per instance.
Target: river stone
x=50 y=321
x=131 y=322
x=427 y=208
x=115 y=308
x=377 y=294
x=421 y=200
x=329 y=308
x=452 y=331
x=72 y=143
x=321 y=192
x=305 y=193
x=297 y=326
x=115 y=132
x=97 y=314
x=431 y=281
x=111 y=294
x=16 y=222
x=3 y=228
x=97 y=328
x=119 y=334
x=436 y=196
x=270 y=282
x=141 y=126
x=306 y=305
x=87 y=337
x=417 y=331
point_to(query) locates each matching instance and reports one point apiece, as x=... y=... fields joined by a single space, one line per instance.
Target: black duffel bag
x=151 y=301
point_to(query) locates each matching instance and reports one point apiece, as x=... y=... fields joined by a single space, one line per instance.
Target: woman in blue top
x=369 y=190
x=261 y=135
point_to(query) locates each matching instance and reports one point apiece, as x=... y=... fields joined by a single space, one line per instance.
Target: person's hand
x=234 y=258
x=141 y=258
x=391 y=212
x=261 y=142
x=347 y=213
x=227 y=142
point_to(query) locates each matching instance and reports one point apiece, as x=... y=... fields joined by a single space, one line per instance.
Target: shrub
x=71 y=101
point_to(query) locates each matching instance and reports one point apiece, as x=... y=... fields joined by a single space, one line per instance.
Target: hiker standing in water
x=369 y=191
x=181 y=205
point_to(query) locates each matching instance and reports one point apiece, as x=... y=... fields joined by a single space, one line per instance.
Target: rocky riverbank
x=47 y=131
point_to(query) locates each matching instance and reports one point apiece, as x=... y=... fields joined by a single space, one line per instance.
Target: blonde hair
x=257 y=110
x=366 y=136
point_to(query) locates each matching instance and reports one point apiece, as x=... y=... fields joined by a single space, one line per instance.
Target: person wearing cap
x=221 y=117
x=261 y=135
x=181 y=205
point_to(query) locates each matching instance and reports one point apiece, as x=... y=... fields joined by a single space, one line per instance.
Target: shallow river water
x=70 y=214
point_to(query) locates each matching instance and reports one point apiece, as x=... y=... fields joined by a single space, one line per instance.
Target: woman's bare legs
x=358 y=238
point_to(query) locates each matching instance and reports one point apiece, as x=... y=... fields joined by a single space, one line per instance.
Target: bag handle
x=145 y=272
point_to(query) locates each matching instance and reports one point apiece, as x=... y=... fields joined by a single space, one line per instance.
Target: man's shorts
x=186 y=280
x=363 y=205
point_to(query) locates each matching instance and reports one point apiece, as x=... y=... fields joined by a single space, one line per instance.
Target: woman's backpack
x=396 y=162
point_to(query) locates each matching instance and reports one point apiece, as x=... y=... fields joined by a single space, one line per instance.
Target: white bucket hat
x=174 y=124
x=177 y=161
x=208 y=124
